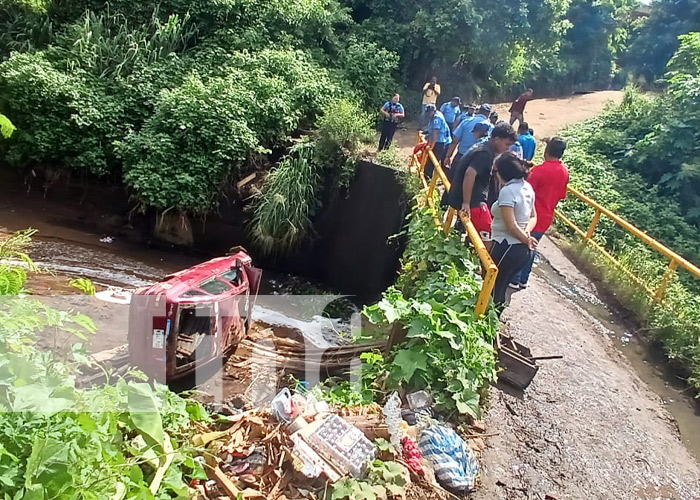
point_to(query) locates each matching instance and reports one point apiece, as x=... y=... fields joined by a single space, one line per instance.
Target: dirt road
x=545 y=116
x=587 y=427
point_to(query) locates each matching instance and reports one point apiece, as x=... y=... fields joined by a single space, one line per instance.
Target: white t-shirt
x=517 y=193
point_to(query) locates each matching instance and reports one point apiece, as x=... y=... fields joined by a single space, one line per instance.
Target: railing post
x=433 y=185
x=448 y=220
x=663 y=286
x=424 y=160
x=594 y=225
x=482 y=303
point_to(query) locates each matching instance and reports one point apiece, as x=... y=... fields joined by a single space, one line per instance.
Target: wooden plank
x=246 y=180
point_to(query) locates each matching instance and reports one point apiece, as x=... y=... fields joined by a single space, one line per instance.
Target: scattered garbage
x=297 y=447
x=107 y=239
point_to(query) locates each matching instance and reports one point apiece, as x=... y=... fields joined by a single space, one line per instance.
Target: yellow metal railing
x=487 y=262
x=587 y=237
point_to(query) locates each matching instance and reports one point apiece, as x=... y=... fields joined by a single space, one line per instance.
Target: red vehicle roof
x=184 y=286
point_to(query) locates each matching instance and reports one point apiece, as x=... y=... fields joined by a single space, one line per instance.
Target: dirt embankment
x=587 y=427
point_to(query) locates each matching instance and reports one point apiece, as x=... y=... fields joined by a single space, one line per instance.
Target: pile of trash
x=299 y=447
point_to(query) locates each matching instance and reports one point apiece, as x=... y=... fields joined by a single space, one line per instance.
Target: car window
x=215 y=286
x=232 y=276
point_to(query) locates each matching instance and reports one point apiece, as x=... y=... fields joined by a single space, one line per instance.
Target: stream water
x=647 y=362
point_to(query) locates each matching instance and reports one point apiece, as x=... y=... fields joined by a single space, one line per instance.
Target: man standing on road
x=471 y=177
x=463 y=137
x=431 y=92
x=451 y=110
x=549 y=182
x=517 y=109
x=438 y=137
x=392 y=111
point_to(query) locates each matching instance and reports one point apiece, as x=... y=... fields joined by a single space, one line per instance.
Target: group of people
x=509 y=201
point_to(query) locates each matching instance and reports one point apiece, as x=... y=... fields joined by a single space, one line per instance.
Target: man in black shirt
x=472 y=175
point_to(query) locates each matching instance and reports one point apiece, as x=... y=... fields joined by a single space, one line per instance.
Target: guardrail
x=479 y=247
x=587 y=236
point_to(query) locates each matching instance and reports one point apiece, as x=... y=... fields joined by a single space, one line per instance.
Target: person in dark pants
x=514 y=217
x=392 y=112
x=549 y=181
x=439 y=137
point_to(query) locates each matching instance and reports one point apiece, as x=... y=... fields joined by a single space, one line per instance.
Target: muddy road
x=588 y=426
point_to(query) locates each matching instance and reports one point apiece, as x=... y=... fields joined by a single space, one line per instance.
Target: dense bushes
x=62 y=118
x=657 y=137
x=169 y=100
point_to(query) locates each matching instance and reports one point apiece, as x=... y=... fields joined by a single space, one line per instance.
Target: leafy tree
x=655 y=40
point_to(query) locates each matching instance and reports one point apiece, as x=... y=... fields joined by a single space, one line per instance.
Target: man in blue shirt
x=527 y=141
x=392 y=111
x=463 y=136
x=451 y=110
x=438 y=137
x=466 y=114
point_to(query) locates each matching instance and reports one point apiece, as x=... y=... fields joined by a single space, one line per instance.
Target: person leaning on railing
x=439 y=137
x=514 y=217
x=471 y=177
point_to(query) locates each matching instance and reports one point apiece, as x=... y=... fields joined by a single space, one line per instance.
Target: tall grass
x=109 y=47
x=282 y=210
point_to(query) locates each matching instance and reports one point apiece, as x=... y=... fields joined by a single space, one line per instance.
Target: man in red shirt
x=517 y=109
x=549 y=182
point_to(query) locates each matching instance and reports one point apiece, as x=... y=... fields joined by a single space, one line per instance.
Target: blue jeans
x=524 y=274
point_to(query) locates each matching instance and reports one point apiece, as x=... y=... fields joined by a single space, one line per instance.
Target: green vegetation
x=654 y=40
x=175 y=100
x=641 y=160
x=448 y=350
x=384 y=479
x=313 y=169
x=61 y=441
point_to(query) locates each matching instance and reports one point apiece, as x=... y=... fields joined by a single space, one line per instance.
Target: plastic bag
x=454 y=463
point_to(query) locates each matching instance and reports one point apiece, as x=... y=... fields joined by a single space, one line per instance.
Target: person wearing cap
x=451 y=110
x=438 y=137
x=463 y=136
x=517 y=109
x=472 y=175
x=392 y=112
x=466 y=114
x=482 y=132
x=431 y=92
x=493 y=118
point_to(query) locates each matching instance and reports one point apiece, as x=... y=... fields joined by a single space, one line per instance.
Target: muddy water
x=66 y=252
x=646 y=361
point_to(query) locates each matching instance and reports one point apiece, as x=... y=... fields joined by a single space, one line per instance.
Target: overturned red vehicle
x=193 y=317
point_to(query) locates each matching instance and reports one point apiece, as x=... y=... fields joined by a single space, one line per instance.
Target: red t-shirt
x=549 y=181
